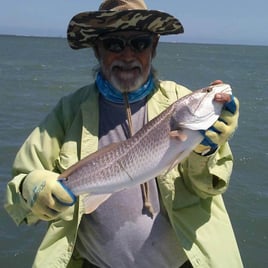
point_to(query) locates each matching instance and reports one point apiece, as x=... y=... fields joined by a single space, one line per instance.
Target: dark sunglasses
x=118 y=44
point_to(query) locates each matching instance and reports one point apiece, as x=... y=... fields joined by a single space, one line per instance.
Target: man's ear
x=96 y=52
x=154 y=46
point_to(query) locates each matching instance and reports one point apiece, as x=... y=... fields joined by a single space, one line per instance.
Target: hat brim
x=85 y=27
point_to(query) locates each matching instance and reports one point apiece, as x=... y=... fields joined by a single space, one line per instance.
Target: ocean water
x=36 y=72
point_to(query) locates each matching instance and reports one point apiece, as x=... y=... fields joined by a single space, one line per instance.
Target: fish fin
x=181 y=136
x=92 y=202
x=178 y=134
x=178 y=159
x=173 y=164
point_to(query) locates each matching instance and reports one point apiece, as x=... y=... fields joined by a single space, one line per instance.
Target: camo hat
x=119 y=15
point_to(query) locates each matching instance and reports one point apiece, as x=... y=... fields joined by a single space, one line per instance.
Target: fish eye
x=208 y=89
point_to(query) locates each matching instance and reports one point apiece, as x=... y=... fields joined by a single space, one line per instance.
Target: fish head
x=199 y=110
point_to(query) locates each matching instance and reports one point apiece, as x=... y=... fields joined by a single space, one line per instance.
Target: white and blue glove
x=222 y=130
x=45 y=195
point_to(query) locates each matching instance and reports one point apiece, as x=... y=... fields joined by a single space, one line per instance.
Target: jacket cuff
x=208 y=175
x=15 y=204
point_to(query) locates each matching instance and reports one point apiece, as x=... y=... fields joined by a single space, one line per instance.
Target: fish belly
x=132 y=164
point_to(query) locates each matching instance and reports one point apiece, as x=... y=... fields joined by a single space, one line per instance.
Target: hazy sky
x=208 y=21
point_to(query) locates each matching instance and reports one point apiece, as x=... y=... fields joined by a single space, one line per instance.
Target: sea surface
x=36 y=72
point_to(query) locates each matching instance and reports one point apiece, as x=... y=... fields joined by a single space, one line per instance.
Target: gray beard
x=97 y=69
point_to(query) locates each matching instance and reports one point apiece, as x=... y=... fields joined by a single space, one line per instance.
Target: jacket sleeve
x=207 y=176
x=39 y=151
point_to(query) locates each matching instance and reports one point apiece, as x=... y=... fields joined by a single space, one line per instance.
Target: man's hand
x=224 y=127
x=45 y=195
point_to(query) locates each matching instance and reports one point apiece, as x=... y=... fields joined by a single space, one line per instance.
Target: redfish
x=155 y=149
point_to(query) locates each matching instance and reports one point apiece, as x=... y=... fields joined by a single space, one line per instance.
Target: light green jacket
x=194 y=205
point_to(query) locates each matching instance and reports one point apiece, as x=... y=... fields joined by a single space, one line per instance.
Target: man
x=176 y=220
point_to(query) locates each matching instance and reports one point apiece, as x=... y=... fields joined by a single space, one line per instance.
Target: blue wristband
x=71 y=194
x=208 y=142
x=230 y=106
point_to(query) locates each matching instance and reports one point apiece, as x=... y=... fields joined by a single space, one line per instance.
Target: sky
x=208 y=21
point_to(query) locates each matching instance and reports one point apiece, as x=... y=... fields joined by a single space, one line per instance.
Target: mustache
x=126 y=65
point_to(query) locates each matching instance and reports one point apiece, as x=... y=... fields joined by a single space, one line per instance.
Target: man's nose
x=128 y=53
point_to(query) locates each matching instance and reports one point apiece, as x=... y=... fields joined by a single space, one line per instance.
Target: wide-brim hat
x=119 y=15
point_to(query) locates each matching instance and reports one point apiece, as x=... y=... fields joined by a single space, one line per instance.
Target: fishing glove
x=222 y=129
x=45 y=195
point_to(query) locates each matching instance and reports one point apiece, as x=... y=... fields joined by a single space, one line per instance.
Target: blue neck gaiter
x=112 y=94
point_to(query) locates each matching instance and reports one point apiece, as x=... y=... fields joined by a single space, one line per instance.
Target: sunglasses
x=118 y=44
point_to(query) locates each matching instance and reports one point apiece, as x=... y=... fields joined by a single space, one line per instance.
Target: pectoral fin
x=178 y=159
x=178 y=134
x=92 y=202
